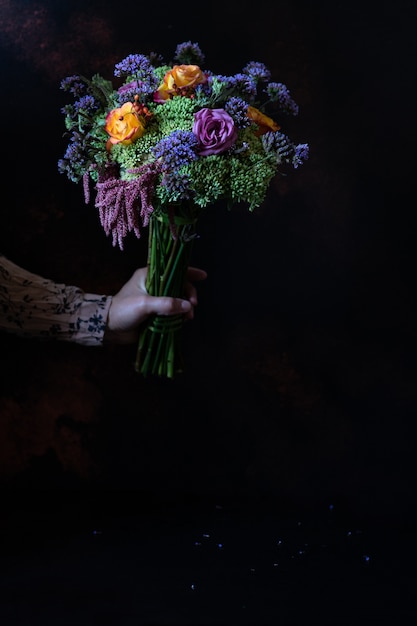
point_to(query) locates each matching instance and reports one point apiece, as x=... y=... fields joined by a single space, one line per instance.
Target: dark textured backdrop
x=300 y=380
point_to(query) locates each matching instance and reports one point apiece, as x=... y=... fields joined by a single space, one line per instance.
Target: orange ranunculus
x=179 y=81
x=124 y=125
x=263 y=122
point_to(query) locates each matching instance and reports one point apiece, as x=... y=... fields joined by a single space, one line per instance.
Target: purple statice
x=89 y=96
x=75 y=159
x=144 y=81
x=74 y=85
x=288 y=152
x=177 y=185
x=155 y=59
x=203 y=88
x=257 y=71
x=237 y=109
x=132 y=65
x=174 y=152
x=279 y=93
x=69 y=111
x=124 y=204
x=301 y=154
x=87 y=105
x=188 y=53
x=242 y=84
x=127 y=93
x=279 y=144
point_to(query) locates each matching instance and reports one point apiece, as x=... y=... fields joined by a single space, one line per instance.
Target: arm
x=33 y=306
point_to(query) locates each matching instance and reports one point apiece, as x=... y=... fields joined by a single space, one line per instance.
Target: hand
x=132 y=305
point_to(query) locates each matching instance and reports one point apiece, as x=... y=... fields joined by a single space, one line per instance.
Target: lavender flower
x=144 y=80
x=128 y=92
x=280 y=145
x=245 y=84
x=75 y=159
x=285 y=150
x=237 y=109
x=74 y=85
x=155 y=59
x=240 y=85
x=86 y=105
x=257 y=71
x=132 y=65
x=176 y=151
x=189 y=54
x=278 y=92
x=177 y=186
x=301 y=154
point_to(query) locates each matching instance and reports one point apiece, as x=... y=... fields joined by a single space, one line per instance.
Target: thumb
x=164 y=305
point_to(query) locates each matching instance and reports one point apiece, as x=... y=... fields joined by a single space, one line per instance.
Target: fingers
x=132 y=305
x=195 y=273
x=165 y=305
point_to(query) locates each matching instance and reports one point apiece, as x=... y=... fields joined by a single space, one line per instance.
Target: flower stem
x=159 y=348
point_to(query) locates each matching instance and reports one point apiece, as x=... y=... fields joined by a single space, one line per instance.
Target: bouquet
x=169 y=141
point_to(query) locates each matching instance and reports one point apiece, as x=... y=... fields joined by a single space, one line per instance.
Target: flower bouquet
x=169 y=141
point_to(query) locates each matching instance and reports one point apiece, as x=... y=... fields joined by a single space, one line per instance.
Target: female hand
x=132 y=305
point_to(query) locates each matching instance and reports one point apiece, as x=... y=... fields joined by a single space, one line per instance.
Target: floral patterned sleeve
x=33 y=306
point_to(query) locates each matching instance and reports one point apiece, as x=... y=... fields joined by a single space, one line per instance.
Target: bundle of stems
x=170 y=242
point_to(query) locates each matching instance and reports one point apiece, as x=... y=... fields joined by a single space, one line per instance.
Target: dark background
x=300 y=384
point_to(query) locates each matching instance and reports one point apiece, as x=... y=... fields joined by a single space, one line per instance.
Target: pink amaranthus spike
x=125 y=205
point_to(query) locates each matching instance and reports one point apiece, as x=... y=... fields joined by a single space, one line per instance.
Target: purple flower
x=143 y=78
x=215 y=131
x=278 y=92
x=132 y=65
x=189 y=54
x=238 y=110
x=257 y=70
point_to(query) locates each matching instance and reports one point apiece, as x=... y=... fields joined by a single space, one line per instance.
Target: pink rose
x=215 y=130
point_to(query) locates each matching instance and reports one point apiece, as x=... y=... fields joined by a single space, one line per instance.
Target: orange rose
x=179 y=82
x=263 y=122
x=124 y=125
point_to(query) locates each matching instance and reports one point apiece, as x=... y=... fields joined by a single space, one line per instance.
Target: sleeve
x=33 y=306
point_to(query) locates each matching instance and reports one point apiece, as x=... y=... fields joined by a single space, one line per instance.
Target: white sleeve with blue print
x=33 y=306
